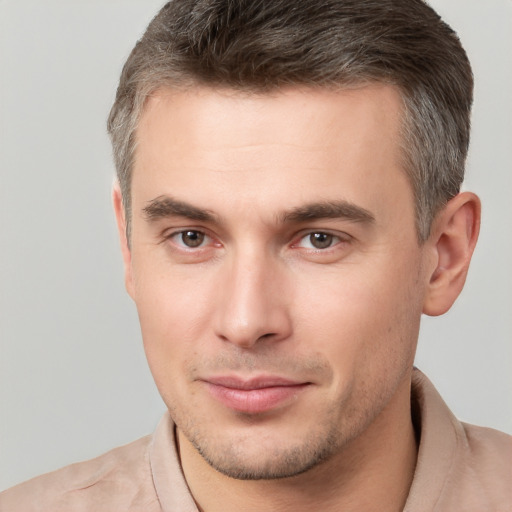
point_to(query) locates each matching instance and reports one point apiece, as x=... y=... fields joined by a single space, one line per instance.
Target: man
x=288 y=206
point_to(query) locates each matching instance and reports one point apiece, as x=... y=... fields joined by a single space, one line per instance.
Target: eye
x=318 y=240
x=190 y=238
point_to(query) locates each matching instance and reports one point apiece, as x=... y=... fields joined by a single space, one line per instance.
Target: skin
x=265 y=283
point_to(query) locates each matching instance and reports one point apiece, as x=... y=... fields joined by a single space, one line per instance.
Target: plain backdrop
x=73 y=377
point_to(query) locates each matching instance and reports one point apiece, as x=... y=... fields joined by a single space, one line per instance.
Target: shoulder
x=488 y=455
x=459 y=466
x=481 y=472
x=117 y=480
x=488 y=445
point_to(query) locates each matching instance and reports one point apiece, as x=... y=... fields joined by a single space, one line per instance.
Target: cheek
x=365 y=319
x=173 y=310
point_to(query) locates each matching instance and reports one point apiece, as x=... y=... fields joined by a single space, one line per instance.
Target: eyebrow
x=329 y=210
x=166 y=206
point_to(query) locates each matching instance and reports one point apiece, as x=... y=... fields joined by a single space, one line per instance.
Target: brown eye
x=191 y=238
x=321 y=240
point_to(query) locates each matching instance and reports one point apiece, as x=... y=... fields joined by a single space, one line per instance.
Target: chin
x=266 y=451
x=268 y=464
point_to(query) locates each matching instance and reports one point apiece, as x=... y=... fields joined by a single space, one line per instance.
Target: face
x=275 y=267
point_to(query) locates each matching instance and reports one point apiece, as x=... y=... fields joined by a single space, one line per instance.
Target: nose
x=252 y=304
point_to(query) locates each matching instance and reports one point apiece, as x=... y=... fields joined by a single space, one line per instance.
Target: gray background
x=73 y=377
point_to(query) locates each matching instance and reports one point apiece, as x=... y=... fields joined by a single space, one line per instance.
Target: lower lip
x=255 y=401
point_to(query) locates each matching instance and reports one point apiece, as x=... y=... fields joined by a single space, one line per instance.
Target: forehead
x=289 y=146
x=203 y=111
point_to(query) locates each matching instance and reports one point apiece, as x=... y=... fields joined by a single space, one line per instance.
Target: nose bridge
x=251 y=305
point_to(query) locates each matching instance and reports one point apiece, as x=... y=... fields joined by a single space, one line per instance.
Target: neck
x=373 y=472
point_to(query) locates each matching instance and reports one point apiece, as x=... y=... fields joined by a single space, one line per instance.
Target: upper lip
x=259 y=382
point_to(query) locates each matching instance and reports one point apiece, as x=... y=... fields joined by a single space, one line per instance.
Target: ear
x=453 y=239
x=117 y=200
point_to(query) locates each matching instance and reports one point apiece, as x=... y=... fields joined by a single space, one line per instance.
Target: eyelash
x=174 y=236
x=335 y=239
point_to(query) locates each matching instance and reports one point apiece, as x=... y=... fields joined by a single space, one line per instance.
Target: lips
x=255 y=395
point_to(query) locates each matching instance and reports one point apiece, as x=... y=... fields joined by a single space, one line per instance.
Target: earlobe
x=453 y=239
x=117 y=200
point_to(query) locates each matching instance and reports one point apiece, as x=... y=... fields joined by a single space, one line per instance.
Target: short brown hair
x=260 y=45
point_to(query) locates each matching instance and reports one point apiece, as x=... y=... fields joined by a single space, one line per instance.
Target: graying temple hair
x=260 y=45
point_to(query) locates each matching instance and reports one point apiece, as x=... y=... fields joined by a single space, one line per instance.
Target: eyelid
x=169 y=234
x=178 y=239
x=211 y=240
x=340 y=236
